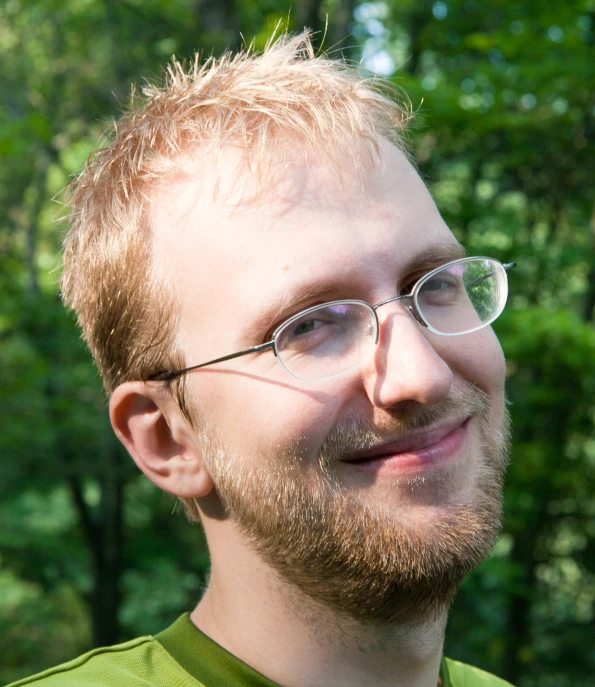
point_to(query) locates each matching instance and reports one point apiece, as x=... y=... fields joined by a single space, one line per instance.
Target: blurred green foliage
x=505 y=99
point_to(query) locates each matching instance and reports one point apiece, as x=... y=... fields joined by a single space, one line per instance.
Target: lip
x=416 y=452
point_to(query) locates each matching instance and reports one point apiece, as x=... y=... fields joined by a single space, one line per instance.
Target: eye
x=306 y=326
x=436 y=283
x=303 y=326
x=324 y=328
x=439 y=283
x=443 y=288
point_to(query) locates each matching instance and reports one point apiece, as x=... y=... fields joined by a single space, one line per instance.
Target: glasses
x=328 y=340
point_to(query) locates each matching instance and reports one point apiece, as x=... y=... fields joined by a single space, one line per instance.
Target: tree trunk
x=219 y=20
x=418 y=18
x=308 y=16
x=32 y=227
x=589 y=302
x=108 y=567
x=103 y=534
x=518 y=630
x=339 y=39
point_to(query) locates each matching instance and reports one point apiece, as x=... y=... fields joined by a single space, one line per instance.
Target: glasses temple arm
x=507 y=266
x=168 y=375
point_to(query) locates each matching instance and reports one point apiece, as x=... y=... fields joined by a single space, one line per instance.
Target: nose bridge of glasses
x=411 y=307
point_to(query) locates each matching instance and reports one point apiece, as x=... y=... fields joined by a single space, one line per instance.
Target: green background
x=504 y=92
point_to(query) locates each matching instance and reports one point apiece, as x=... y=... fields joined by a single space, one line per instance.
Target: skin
x=243 y=266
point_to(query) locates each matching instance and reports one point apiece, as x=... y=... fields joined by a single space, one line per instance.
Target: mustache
x=360 y=434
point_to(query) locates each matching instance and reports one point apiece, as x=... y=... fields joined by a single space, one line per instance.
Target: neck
x=293 y=640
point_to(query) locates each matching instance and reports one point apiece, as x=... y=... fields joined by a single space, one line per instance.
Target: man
x=294 y=345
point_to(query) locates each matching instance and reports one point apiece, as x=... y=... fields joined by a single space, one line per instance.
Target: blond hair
x=256 y=101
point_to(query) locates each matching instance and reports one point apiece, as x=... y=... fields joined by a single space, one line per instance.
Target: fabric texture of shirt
x=183 y=656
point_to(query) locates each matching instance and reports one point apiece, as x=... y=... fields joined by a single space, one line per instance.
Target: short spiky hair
x=255 y=101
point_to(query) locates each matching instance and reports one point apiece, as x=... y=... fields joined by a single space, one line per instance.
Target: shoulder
x=463 y=675
x=139 y=662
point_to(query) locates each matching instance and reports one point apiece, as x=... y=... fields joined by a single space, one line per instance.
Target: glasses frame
x=412 y=307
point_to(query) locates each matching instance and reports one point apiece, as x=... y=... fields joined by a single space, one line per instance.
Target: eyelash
x=278 y=323
x=407 y=285
x=411 y=280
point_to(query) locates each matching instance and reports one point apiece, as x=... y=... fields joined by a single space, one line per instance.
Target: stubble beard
x=367 y=562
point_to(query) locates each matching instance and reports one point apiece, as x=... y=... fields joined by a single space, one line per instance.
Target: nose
x=405 y=366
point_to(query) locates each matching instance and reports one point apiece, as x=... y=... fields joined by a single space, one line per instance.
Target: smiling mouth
x=430 y=448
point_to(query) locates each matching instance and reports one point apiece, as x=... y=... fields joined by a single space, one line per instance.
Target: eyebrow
x=292 y=300
x=437 y=254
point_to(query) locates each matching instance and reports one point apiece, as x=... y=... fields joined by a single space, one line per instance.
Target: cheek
x=259 y=418
x=478 y=358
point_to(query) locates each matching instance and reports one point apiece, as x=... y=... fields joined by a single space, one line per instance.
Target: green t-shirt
x=183 y=656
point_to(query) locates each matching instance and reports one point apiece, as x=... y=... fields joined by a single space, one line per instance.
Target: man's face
x=382 y=483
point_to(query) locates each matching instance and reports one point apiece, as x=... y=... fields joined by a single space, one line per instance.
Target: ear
x=149 y=423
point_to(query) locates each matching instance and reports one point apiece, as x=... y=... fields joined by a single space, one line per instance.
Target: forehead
x=228 y=244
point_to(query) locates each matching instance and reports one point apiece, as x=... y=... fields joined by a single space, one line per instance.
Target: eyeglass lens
x=462 y=297
x=328 y=340
x=334 y=338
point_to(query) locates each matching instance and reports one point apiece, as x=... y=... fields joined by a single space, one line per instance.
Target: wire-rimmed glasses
x=333 y=338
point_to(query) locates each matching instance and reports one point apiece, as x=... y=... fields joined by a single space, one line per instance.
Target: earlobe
x=149 y=423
